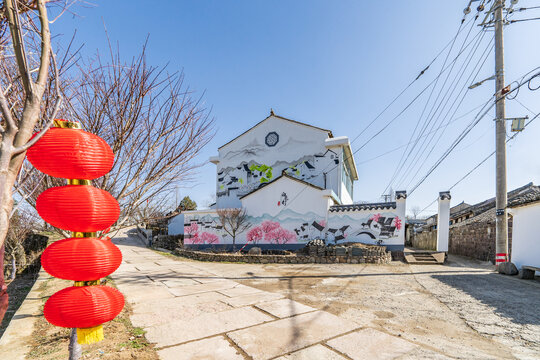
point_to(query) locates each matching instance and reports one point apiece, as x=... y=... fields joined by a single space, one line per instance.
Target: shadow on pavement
x=515 y=300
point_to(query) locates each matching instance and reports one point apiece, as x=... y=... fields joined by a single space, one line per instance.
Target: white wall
x=301 y=199
x=525 y=235
x=247 y=162
x=176 y=225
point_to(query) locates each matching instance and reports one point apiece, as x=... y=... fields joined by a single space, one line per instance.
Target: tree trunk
x=13 y=267
x=75 y=351
x=234 y=244
x=4 y=298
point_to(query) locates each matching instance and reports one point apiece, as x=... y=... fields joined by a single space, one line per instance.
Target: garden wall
x=369 y=256
x=474 y=239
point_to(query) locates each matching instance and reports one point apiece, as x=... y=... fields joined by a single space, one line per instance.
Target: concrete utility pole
x=501 y=236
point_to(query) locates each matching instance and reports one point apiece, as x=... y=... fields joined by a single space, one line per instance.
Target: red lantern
x=81 y=259
x=81 y=208
x=71 y=154
x=84 y=306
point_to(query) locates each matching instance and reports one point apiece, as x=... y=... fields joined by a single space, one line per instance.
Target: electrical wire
x=469 y=128
x=485 y=159
x=402 y=146
x=450 y=43
x=401 y=162
x=485 y=55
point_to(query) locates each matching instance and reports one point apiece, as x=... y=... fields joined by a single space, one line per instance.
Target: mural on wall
x=289 y=227
x=248 y=176
x=378 y=228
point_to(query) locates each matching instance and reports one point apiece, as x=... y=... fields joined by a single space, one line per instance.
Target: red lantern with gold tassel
x=67 y=151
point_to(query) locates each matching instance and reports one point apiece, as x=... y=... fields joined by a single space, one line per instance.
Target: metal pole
x=501 y=236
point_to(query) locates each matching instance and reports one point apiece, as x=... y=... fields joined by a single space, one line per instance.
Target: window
x=346 y=176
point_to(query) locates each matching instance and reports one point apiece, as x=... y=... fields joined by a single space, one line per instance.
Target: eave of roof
x=282 y=118
x=283 y=175
x=358 y=207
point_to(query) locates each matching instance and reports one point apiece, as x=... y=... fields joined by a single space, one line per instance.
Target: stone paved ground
x=193 y=313
x=198 y=310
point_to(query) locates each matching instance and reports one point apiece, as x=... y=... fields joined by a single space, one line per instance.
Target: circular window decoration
x=272 y=138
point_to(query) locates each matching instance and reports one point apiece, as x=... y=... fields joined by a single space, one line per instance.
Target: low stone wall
x=169 y=242
x=477 y=240
x=424 y=240
x=474 y=239
x=365 y=256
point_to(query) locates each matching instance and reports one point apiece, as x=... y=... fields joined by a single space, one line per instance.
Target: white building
x=525 y=212
x=296 y=183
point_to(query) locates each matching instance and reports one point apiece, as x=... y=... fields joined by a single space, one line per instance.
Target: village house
x=295 y=182
x=472 y=227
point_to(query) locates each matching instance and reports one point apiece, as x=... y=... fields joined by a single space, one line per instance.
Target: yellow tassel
x=90 y=335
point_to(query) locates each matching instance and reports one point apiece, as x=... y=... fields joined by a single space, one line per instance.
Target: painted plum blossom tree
x=280 y=236
x=271 y=232
x=268 y=226
x=208 y=238
x=192 y=232
x=255 y=235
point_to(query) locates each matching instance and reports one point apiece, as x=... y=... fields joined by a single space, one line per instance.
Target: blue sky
x=333 y=64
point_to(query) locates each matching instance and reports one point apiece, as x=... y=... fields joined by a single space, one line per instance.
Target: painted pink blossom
x=376 y=217
x=397 y=223
x=255 y=235
x=322 y=223
x=267 y=226
x=192 y=234
x=280 y=236
x=208 y=238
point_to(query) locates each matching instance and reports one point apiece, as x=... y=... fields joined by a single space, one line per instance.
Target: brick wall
x=475 y=240
x=425 y=240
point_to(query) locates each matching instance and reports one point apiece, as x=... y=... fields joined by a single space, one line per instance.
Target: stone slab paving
x=16 y=340
x=284 y=308
x=207 y=324
x=251 y=299
x=286 y=335
x=190 y=311
x=313 y=353
x=213 y=348
x=371 y=344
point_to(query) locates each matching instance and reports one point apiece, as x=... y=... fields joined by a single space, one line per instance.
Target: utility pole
x=501 y=219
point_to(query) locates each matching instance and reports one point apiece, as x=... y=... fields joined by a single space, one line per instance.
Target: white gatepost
x=401 y=206
x=443 y=221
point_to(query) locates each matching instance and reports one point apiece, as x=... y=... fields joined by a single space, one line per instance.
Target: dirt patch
x=122 y=340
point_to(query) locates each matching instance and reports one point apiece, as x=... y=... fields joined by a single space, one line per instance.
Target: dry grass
x=122 y=340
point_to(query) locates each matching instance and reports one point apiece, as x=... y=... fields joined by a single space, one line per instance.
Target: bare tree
x=415 y=210
x=234 y=222
x=21 y=226
x=28 y=25
x=154 y=125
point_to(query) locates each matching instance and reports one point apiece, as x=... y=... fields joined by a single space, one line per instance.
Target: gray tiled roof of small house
x=485 y=205
x=358 y=207
x=533 y=195
x=485 y=211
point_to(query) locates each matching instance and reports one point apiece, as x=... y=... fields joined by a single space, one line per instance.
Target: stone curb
x=15 y=342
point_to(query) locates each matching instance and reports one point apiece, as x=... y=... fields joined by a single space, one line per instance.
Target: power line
x=485 y=55
x=403 y=110
x=410 y=142
x=405 y=167
x=471 y=126
x=486 y=158
x=451 y=42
